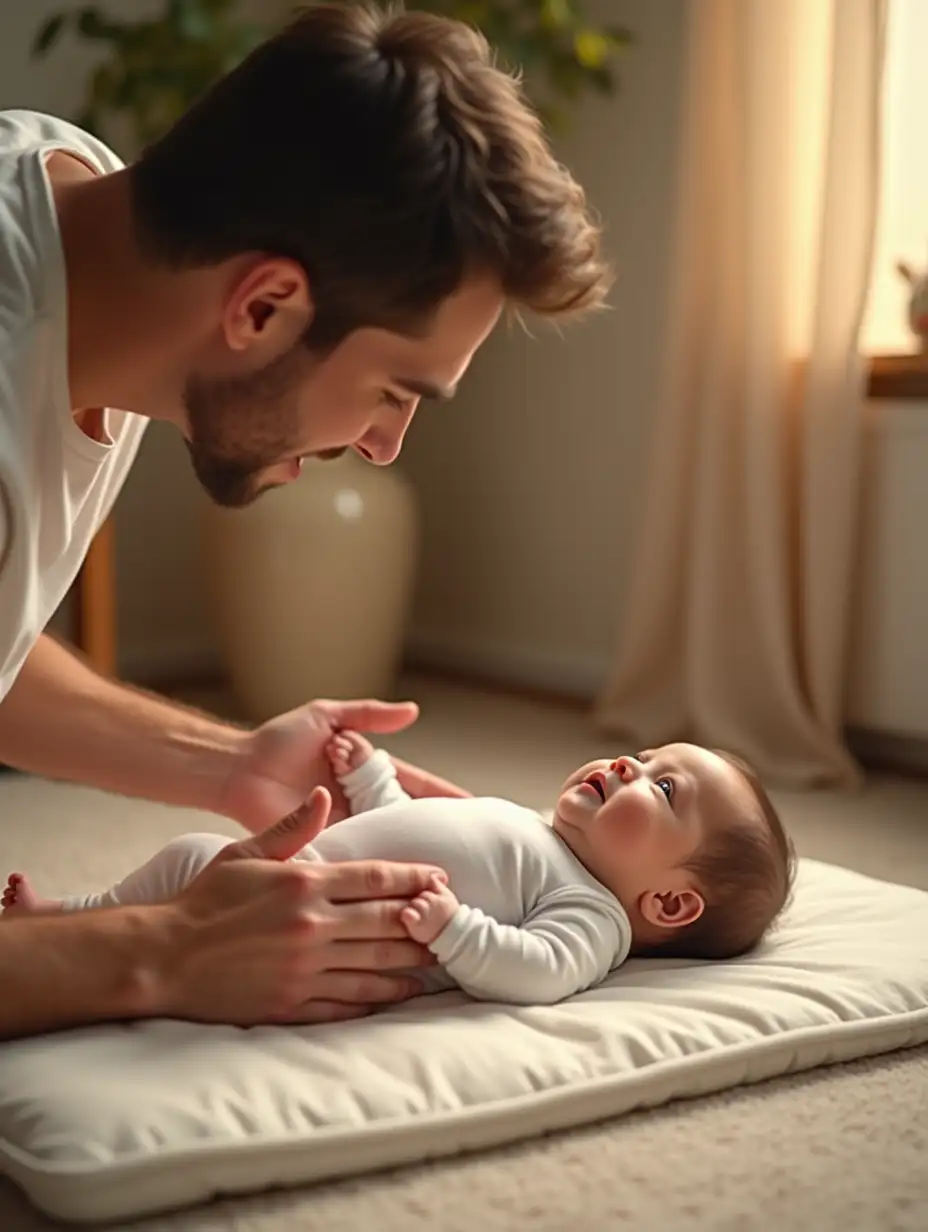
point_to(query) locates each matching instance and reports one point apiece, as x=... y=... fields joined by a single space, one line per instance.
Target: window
x=902 y=225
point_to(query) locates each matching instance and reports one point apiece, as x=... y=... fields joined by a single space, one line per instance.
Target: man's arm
x=68 y=970
x=255 y=938
x=61 y=720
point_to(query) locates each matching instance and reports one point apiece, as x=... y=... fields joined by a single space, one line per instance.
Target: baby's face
x=634 y=821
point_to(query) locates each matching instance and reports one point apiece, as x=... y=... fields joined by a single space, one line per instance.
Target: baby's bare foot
x=19 y=898
x=348 y=750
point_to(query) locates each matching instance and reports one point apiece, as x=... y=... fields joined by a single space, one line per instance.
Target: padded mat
x=112 y=1122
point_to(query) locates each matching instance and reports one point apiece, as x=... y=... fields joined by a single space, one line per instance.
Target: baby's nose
x=626 y=769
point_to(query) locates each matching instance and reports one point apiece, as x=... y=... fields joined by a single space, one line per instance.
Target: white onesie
x=534 y=926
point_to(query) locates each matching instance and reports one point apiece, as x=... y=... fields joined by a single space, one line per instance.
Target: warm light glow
x=902 y=228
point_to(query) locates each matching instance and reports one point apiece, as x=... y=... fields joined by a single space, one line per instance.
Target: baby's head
x=688 y=841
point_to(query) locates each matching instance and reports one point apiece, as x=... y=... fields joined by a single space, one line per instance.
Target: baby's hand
x=427 y=915
x=347 y=751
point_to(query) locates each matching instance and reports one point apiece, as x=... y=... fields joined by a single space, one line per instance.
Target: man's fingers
x=419 y=783
x=338 y=995
x=374 y=956
x=377 y=879
x=322 y=1011
x=290 y=835
x=364 y=921
x=372 y=715
x=355 y=988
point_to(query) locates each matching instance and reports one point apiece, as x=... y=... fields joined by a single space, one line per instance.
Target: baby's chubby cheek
x=625 y=819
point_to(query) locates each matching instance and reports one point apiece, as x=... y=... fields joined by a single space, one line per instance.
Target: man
x=325 y=239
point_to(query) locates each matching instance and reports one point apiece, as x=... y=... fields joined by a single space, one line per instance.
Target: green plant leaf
x=591 y=48
x=48 y=34
x=619 y=37
x=91 y=24
x=192 y=20
x=554 y=14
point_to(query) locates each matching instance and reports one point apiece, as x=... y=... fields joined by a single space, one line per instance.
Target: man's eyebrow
x=425 y=389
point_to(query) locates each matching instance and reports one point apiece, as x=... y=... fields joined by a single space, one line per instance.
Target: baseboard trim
x=889 y=751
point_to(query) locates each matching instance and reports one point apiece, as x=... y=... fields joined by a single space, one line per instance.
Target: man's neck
x=120 y=314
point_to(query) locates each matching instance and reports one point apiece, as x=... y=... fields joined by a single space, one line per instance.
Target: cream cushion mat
x=112 y=1122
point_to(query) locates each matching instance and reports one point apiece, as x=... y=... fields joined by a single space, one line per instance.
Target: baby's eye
x=666 y=786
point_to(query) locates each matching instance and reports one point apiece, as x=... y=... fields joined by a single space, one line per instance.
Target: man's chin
x=227 y=496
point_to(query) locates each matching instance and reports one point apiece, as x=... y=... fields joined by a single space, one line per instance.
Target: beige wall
x=530 y=485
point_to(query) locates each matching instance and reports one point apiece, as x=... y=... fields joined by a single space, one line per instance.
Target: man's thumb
x=291 y=834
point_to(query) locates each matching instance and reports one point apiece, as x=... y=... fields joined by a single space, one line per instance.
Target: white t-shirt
x=57 y=485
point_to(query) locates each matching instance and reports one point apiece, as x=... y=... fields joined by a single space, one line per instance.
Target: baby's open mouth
x=595 y=781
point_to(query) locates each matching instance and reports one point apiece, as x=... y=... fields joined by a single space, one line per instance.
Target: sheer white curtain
x=736 y=629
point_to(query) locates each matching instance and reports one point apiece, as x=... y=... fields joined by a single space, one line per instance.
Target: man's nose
x=382 y=444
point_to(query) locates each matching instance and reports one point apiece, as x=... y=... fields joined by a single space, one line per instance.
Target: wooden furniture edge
x=896 y=377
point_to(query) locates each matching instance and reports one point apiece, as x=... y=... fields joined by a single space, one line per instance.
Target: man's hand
x=281 y=763
x=259 y=938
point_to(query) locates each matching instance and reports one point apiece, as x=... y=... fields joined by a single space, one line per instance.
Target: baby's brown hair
x=745 y=872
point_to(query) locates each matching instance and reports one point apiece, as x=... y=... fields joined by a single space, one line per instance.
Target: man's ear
x=671 y=908
x=268 y=307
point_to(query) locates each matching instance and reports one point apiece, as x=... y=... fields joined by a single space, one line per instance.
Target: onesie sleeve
x=568 y=942
x=373 y=785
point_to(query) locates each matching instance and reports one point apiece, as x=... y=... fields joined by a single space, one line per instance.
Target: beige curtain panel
x=736 y=630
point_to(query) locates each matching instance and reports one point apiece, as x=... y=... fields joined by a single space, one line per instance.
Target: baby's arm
x=564 y=946
x=367 y=776
x=162 y=878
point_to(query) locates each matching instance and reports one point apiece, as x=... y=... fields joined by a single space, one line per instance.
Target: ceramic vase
x=310 y=586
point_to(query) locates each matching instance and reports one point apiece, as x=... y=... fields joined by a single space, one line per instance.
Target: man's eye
x=666 y=786
x=393 y=400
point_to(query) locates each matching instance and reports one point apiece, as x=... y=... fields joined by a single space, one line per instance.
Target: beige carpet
x=839 y=1149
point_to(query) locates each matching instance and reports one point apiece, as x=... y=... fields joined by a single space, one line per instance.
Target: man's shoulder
x=22 y=131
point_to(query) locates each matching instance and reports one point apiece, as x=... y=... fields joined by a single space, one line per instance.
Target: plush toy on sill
x=918 y=302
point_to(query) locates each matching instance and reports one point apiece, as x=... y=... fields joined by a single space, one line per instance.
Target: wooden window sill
x=898 y=377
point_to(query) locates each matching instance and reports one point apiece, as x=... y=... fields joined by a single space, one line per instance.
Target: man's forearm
x=67 y=970
x=61 y=720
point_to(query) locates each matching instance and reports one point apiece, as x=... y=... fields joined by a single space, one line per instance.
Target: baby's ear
x=671 y=908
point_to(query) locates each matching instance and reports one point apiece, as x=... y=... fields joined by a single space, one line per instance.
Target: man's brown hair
x=384 y=152
x=745 y=872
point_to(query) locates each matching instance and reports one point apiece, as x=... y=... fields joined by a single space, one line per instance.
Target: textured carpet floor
x=838 y=1149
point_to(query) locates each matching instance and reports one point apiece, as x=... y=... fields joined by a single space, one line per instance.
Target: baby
x=676 y=852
